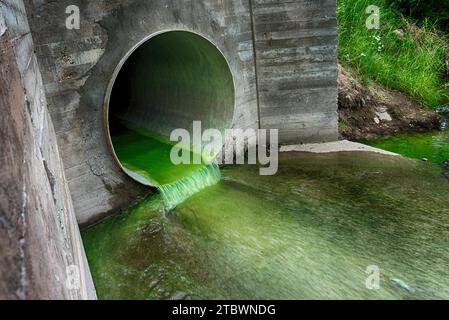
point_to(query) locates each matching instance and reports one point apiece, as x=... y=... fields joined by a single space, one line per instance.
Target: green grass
x=413 y=63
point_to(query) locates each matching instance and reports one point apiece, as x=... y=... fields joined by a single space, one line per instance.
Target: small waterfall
x=176 y=192
x=146 y=158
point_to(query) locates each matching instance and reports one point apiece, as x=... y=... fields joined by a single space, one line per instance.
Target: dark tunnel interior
x=171 y=80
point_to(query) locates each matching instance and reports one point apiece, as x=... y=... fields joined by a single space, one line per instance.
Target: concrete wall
x=40 y=243
x=294 y=88
x=79 y=65
x=296 y=54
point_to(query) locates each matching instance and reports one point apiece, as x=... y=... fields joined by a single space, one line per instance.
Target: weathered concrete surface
x=296 y=56
x=40 y=244
x=335 y=146
x=79 y=65
x=296 y=62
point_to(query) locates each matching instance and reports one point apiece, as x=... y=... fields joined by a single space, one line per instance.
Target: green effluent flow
x=309 y=232
x=147 y=158
x=433 y=146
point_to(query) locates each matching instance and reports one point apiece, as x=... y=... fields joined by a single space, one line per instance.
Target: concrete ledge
x=337 y=146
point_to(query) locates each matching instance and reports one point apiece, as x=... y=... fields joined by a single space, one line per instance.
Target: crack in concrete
x=103 y=179
x=51 y=179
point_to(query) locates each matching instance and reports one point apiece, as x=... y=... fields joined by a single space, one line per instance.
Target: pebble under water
x=309 y=232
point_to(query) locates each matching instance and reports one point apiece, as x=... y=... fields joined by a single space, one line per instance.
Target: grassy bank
x=399 y=55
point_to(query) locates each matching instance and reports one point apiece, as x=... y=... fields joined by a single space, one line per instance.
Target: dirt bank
x=374 y=111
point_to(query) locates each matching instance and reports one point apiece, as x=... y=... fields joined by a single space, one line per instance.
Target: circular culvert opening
x=165 y=83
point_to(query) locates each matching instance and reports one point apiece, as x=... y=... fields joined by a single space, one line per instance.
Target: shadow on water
x=309 y=232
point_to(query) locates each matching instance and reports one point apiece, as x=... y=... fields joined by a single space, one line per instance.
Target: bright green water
x=148 y=158
x=433 y=146
x=309 y=232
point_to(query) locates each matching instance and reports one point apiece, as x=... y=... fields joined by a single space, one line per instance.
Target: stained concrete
x=40 y=246
x=282 y=55
x=80 y=64
x=296 y=57
x=336 y=146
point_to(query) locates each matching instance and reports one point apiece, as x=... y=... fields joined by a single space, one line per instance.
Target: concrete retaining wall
x=294 y=88
x=41 y=254
x=296 y=54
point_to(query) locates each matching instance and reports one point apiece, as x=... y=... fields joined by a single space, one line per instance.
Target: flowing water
x=178 y=191
x=147 y=158
x=433 y=146
x=309 y=232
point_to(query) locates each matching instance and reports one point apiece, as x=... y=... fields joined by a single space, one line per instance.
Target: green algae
x=433 y=146
x=309 y=232
x=147 y=157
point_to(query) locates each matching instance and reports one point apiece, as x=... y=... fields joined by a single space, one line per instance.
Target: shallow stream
x=309 y=232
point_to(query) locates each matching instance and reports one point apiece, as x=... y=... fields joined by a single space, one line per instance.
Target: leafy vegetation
x=399 y=55
x=436 y=11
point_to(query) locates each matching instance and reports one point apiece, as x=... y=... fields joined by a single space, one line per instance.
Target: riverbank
x=392 y=121
x=372 y=111
x=395 y=76
x=403 y=52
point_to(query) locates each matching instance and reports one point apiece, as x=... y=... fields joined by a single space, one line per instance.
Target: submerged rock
x=443 y=113
x=443 y=109
x=402 y=285
x=157 y=279
x=179 y=296
x=151 y=228
x=445 y=165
